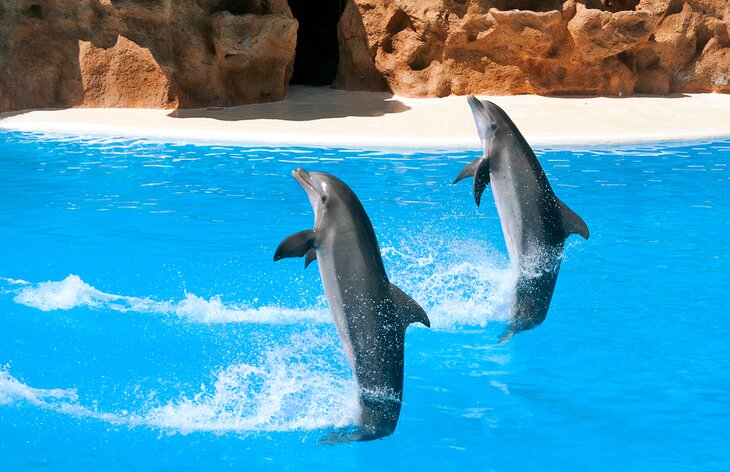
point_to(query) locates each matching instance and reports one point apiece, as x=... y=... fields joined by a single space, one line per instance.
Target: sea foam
x=297 y=386
x=458 y=283
x=73 y=292
x=302 y=383
x=12 y=390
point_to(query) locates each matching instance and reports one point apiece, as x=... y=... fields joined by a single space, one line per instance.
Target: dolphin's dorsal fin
x=572 y=223
x=296 y=245
x=409 y=311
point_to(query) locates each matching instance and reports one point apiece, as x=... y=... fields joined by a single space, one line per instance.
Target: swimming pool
x=145 y=326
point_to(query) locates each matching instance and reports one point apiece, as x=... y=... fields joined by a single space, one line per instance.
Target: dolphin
x=370 y=313
x=535 y=223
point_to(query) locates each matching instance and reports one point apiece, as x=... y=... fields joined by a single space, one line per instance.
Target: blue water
x=144 y=325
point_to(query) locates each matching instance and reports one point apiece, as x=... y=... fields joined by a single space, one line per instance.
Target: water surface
x=145 y=326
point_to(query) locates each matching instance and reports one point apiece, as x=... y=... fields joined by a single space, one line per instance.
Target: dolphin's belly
x=334 y=295
x=354 y=292
x=510 y=217
x=364 y=315
x=529 y=218
x=531 y=225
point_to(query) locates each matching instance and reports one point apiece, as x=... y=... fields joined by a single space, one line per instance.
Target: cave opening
x=317 y=53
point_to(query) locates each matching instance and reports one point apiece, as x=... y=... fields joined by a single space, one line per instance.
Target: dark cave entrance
x=317 y=46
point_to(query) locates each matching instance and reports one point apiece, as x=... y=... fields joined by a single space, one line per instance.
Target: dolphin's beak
x=305 y=180
x=484 y=122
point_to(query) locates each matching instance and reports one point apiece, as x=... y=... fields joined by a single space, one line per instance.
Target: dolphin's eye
x=494 y=126
x=324 y=198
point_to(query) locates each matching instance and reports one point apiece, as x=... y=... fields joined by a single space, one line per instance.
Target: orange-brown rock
x=124 y=75
x=356 y=68
x=144 y=53
x=196 y=53
x=255 y=54
x=608 y=47
x=602 y=34
x=712 y=67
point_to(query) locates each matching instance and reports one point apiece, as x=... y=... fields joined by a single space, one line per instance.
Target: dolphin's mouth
x=305 y=181
x=486 y=122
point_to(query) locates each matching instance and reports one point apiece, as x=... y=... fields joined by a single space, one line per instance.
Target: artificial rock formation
x=197 y=53
x=607 y=47
x=144 y=53
x=124 y=75
x=255 y=54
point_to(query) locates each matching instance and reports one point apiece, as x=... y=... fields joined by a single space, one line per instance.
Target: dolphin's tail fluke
x=351 y=433
x=506 y=336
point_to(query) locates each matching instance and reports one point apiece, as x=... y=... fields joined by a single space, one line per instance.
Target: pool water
x=146 y=327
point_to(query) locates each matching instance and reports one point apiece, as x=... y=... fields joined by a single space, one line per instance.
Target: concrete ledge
x=324 y=117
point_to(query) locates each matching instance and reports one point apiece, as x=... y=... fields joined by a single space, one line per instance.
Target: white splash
x=73 y=292
x=64 y=295
x=294 y=388
x=66 y=401
x=12 y=390
x=462 y=283
x=458 y=283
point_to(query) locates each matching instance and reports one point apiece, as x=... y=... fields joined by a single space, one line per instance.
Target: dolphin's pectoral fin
x=311 y=256
x=296 y=245
x=572 y=223
x=469 y=170
x=479 y=168
x=409 y=311
x=481 y=179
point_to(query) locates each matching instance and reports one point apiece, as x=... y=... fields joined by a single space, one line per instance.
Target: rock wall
x=144 y=53
x=428 y=48
x=197 y=53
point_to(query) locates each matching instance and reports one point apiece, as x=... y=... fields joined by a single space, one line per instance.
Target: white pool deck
x=322 y=117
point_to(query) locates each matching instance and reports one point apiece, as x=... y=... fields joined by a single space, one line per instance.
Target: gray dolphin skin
x=534 y=221
x=371 y=314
